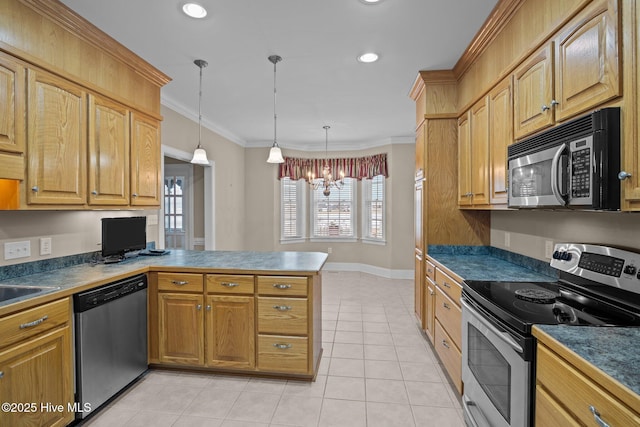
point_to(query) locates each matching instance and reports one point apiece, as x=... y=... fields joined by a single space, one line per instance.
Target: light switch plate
x=45 y=246
x=13 y=250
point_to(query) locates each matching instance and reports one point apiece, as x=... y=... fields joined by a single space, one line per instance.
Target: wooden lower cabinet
x=450 y=355
x=567 y=388
x=236 y=322
x=36 y=365
x=230 y=331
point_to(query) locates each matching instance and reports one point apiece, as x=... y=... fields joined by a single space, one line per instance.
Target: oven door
x=497 y=379
x=539 y=179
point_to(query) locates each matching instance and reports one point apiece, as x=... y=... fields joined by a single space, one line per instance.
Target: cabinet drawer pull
x=180 y=282
x=446 y=285
x=446 y=344
x=229 y=284
x=34 y=323
x=282 y=346
x=445 y=305
x=281 y=285
x=596 y=416
x=282 y=307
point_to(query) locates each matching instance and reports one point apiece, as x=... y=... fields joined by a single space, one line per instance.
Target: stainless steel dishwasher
x=111 y=341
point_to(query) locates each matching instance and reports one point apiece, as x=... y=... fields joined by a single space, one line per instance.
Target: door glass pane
x=491 y=370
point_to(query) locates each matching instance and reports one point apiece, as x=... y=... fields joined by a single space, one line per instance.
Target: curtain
x=354 y=167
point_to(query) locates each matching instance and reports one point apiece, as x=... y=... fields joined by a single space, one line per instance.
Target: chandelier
x=326 y=181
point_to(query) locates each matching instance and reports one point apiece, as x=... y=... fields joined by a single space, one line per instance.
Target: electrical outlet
x=45 y=246
x=507 y=239
x=13 y=250
x=329 y=250
x=548 y=249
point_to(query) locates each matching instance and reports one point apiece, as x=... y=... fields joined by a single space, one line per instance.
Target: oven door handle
x=555 y=187
x=504 y=336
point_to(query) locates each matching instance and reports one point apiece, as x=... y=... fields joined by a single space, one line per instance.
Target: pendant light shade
x=200 y=155
x=275 y=154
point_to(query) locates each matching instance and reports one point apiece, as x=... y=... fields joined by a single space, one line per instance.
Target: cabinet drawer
x=229 y=284
x=184 y=282
x=452 y=288
x=578 y=393
x=283 y=354
x=450 y=316
x=449 y=355
x=282 y=285
x=431 y=270
x=287 y=316
x=33 y=321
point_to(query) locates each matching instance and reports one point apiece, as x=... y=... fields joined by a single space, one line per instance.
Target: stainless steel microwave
x=573 y=165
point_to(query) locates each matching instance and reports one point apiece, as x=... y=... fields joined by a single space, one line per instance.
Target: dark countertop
x=610 y=349
x=69 y=279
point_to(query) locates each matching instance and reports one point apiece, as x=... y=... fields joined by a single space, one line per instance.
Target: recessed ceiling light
x=194 y=10
x=368 y=57
x=370 y=1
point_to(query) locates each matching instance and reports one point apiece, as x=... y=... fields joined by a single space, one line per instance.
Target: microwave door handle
x=555 y=187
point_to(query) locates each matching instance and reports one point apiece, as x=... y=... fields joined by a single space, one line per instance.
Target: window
x=292 y=209
x=373 y=209
x=334 y=216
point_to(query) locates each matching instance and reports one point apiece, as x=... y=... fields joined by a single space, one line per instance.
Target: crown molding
x=337 y=146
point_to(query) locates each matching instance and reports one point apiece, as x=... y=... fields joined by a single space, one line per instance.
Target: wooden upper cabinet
x=420 y=145
x=145 y=161
x=108 y=152
x=533 y=93
x=500 y=136
x=480 y=152
x=464 y=160
x=12 y=118
x=57 y=141
x=588 y=60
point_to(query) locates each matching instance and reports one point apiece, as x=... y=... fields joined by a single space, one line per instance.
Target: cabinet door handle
x=229 y=284
x=431 y=292
x=446 y=344
x=208 y=308
x=199 y=307
x=280 y=346
x=445 y=305
x=281 y=285
x=180 y=282
x=135 y=194
x=1 y=374
x=554 y=103
x=545 y=108
x=34 y=323
x=596 y=416
x=94 y=192
x=282 y=307
x=35 y=189
x=623 y=175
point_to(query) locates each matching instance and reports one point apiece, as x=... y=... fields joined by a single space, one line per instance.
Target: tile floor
x=377 y=370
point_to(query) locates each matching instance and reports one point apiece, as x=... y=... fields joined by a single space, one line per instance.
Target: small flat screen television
x=122 y=235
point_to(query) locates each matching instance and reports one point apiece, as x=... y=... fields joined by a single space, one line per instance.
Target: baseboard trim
x=369 y=269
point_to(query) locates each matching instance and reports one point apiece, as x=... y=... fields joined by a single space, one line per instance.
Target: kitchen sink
x=9 y=292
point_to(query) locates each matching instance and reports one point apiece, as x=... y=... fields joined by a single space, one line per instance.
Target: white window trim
x=354 y=213
x=366 y=189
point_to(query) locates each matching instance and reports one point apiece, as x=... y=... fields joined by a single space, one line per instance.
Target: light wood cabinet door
x=38 y=371
x=145 y=161
x=12 y=118
x=430 y=310
x=108 y=152
x=479 y=163
x=587 y=52
x=420 y=147
x=418 y=289
x=231 y=331
x=181 y=328
x=533 y=93
x=500 y=137
x=465 y=194
x=57 y=141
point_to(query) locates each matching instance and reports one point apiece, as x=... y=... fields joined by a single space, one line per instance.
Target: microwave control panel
x=581 y=151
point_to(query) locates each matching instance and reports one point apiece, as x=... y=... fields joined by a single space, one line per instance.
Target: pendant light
x=199 y=155
x=275 y=154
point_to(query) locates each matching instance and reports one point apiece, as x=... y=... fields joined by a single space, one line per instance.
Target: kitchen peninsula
x=256 y=313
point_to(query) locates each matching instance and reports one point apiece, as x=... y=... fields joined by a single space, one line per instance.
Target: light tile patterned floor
x=377 y=371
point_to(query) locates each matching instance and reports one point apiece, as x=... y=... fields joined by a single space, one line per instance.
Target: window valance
x=354 y=167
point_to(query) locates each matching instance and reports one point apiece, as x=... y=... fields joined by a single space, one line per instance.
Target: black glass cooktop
x=521 y=304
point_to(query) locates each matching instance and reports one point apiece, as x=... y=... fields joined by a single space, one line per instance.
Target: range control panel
x=612 y=266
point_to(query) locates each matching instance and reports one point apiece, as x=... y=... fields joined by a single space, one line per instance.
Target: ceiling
x=319 y=81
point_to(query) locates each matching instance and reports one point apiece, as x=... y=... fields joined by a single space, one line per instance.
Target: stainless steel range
x=598 y=286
